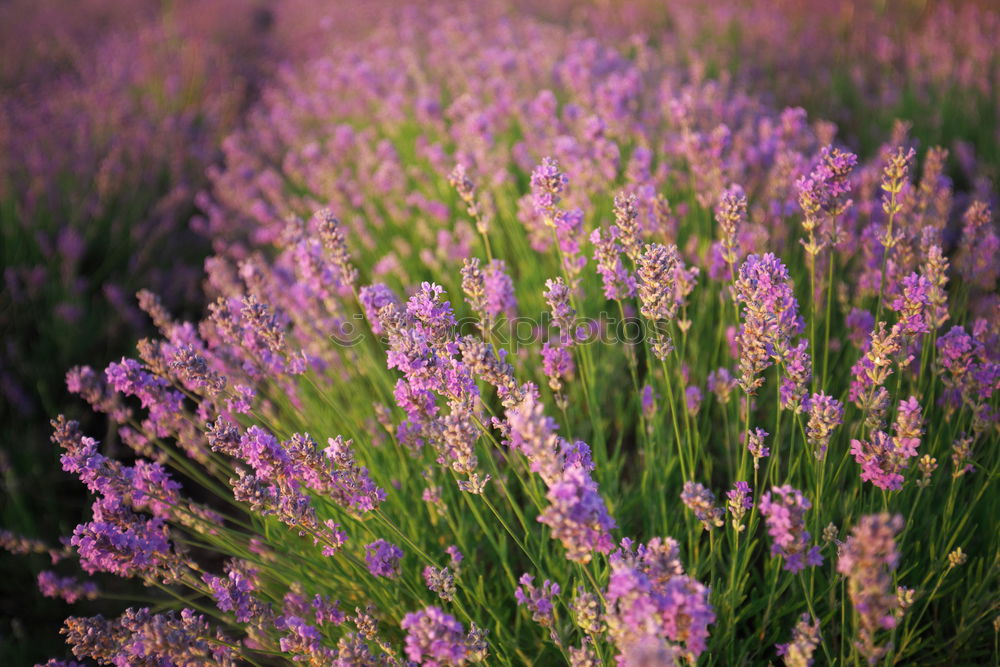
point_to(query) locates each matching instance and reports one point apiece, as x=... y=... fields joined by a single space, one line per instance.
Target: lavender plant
x=545 y=301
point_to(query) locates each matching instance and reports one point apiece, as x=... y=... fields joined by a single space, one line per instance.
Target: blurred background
x=113 y=113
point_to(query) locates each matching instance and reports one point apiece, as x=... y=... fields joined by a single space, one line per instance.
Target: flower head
x=383 y=558
x=739 y=501
x=434 y=638
x=805 y=639
x=755 y=445
x=731 y=216
x=547 y=186
x=825 y=414
x=538 y=600
x=784 y=509
x=868 y=559
x=701 y=501
x=770 y=317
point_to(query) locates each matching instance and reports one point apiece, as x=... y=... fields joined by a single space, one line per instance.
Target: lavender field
x=618 y=333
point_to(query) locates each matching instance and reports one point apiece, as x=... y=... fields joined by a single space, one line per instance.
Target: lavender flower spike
x=805 y=638
x=784 y=509
x=435 y=638
x=657 y=270
x=825 y=414
x=701 y=501
x=383 y=559
x=868 y=559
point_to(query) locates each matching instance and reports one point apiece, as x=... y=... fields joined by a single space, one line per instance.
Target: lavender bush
x=861 y=64
x=526 y=348
x=110 y=114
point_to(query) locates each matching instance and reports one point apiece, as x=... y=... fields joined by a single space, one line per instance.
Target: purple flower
x=283 y=500
x=434 y=638
x=441 y=581
x=576 y=454
x=731 y=216
x=823 y=195
x=935 y=268
x=650 y=598
x=805 y=638
x=957 y=351
x=557 y=296
x=627 y=225
x=909 y=428
x=547 y=186
x=302 y=639
x=913 y=305
x=94 y=388
x=492 y=367
x=193 y=369
x=619 y=284
x=755 y=445
x=223 y=437
x=739 y=501
x=577 y=515
x=424 y=348
x=770 y=317
x=647 y=650
x=333 y=237
x=70 y=589
x=860 y=324
x=242 y=401
x=868 y=559
x=872 y=370
x=430 y=314
x=455 y=556
x=961 y=457
x=499 y=291
x=701 y=501
x=120 y=541
x=648 y=402
x=586 y=609
x=825 y=414
x=657 y=273
x=784 y=509
x=537 y=600
x=333 y=472
x=882 y=459
x=971 y=374
x=466 y=189
x=456 y=445
x=373 y=299
x=657 y=269
x=145 y=486
x=557 y=364
x=383 y=558
x=163 y=403
x=139 y=636
x=327 y=611
x=259 y=332
x=980 y=244
x=234 y=592
x=266 y=456
x=692 y=400
x=894 y=178
x=721 y=383
x=570 y=237
x=533 y=433
x=473 y=285
x=798 y=373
